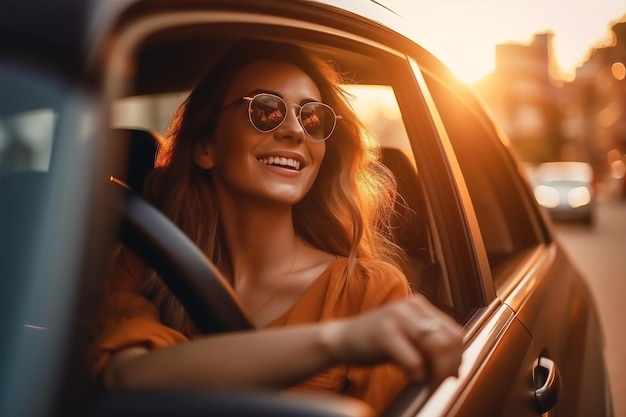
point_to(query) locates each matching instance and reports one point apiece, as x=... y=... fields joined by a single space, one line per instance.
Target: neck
x=258 y=244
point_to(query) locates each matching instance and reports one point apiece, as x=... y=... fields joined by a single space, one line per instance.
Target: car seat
x=140 y=147
x=410 y=228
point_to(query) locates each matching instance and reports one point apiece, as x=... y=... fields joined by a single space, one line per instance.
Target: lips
x=281 y=161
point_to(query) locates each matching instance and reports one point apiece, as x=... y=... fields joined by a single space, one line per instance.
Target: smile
x=282 y=162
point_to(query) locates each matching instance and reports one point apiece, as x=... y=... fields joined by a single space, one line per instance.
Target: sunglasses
x=268 y=111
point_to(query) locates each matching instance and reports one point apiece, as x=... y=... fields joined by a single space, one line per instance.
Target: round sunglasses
x=267 y=112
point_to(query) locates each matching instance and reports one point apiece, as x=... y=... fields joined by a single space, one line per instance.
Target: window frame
x=453 y=241
x=535 y=232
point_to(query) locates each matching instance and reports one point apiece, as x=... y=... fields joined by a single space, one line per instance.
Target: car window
x=374 y=100
x=27 y=119
x=509 y=225
x=26 y=140
x=151 y=112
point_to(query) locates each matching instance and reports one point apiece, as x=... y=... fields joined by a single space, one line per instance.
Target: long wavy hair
x=347 y=212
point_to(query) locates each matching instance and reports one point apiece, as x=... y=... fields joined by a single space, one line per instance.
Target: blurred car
x=565 y=189
x=83 y=84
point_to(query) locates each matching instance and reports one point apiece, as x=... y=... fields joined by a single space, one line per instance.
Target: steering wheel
x=206 y=295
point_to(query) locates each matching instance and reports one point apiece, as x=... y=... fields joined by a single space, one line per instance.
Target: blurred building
x=548 y=119
x=524 y=96
x=595 y=108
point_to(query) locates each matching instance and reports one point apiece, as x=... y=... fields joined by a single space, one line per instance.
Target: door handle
x=547 y=380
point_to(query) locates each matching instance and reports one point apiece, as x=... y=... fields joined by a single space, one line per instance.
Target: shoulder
x=373 y=271
x=372 y=281
x=382 y=278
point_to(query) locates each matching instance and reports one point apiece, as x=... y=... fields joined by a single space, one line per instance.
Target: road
x=600 y=253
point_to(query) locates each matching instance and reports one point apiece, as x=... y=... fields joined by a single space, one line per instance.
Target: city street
x=600 y=253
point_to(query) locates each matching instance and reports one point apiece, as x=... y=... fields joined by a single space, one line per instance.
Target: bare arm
x=282 y=357
x=254 y=359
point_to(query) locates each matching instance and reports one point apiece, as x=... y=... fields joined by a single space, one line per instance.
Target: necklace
x=282 y=284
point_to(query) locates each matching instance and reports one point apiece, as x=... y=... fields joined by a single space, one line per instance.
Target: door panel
x=530 y=273
x=503 y=385
x=558 y=312
x=495 y=377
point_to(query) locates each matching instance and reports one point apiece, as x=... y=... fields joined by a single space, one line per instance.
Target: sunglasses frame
x=250 y=99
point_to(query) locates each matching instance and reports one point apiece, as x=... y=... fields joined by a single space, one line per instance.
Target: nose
x=291 y=128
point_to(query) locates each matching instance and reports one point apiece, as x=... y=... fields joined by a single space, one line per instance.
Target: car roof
x=61 y=30
x=172 y=51
x=70 y=37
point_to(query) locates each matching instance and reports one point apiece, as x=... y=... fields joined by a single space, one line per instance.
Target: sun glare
x=464 y=33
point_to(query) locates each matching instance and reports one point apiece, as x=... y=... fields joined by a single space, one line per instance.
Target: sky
x=464 y=33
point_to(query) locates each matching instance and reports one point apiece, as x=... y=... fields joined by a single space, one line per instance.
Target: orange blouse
x=131 y=320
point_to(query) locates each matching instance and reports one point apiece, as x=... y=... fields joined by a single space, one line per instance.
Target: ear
x=203 y=156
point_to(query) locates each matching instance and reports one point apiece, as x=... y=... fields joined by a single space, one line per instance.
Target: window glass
x=26 y=140
x=377 y=108
x=29 y=103
x=500 y=201
x=151 y=112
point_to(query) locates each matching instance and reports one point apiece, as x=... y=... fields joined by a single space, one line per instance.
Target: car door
x=547 y=357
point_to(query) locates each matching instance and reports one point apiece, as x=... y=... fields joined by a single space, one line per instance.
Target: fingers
x=422 y=339
x=413 y=333
x=442 y=349
x=438 y=337
x=401 y=349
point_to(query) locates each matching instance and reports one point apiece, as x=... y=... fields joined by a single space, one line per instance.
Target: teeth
x=281 y=161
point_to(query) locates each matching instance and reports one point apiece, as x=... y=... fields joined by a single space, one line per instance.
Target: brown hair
x=347 y=212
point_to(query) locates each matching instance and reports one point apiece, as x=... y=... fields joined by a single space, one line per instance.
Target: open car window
x=374 y=81
x=377 y=107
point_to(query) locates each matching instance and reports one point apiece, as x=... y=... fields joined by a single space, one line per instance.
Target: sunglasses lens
x=318 y=120
x=267 y=112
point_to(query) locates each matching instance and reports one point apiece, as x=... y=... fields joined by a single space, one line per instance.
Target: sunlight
x=464 y=33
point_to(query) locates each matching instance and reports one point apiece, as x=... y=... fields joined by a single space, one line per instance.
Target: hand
x=412 y=333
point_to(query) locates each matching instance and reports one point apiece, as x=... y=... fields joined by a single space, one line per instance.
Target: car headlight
x=547 y=196
x=578 y=197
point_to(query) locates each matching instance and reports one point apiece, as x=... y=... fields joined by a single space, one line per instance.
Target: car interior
x=210 y=302
x=370 y=79
x=153 y=83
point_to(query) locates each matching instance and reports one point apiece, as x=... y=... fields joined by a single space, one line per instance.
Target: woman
x=266 y=170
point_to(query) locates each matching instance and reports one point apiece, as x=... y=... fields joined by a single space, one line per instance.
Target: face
x=274 y=167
